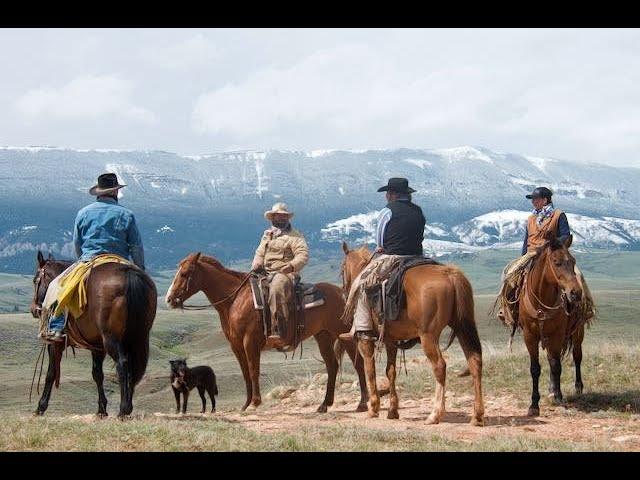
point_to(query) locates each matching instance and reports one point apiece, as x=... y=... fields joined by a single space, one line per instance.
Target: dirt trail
x=503 y=419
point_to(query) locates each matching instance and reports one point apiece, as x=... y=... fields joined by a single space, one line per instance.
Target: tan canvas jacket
x=277 y=251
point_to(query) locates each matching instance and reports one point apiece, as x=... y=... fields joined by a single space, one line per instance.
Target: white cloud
x=567 y=94
x=87 y=96
x=191 y=52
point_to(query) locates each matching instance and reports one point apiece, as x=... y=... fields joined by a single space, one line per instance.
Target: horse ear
x=568 y=241
x=345 y=248
x=41 y=260
x=197 y=257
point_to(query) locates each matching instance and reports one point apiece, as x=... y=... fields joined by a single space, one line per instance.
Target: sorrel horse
x=121 y=307
x=550 y=292
x=437 y=296
x=230 y=294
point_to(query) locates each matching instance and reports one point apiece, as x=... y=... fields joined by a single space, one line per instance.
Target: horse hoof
x=362 y=407
x=477 y=422
x=533 y=412
x=373 y=414
x=38 y=413
x=393 y=415
x=102 y=414
x=578 y=390
x=322 y=409
x=433 y=419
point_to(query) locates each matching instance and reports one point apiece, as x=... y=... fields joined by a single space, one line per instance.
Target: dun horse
x=230 y=294
x=121 y=307
x=437 y=296
x=549 y=294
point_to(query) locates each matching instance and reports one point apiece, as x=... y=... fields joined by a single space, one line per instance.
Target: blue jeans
x=56 y=323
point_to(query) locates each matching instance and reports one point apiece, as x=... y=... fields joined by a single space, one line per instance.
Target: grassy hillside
x=611 y=372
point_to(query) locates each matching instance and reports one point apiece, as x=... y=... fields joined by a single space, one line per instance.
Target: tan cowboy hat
x=278 y=208
x=107 y=183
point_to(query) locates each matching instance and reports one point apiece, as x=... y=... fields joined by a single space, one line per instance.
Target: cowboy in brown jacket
x=282 y=253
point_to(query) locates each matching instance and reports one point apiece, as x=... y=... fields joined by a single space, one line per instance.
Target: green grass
x=611 y=373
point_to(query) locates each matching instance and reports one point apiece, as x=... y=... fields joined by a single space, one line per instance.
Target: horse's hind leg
x=204 y=400
x=325 y=344
x=577 y=358
x=439 y=367
x=43 y=403
x=358 y=365
x=367 y=348
x=238 y=350
x=98 y=377
x=252 y=351
x=392 y=352
x=116 y=350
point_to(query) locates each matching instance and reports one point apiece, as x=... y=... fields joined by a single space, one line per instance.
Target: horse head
x=561 y=268
x=186 y=282
x=46 y=270
x=352 y=264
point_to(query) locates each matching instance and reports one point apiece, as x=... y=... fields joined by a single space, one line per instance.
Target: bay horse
x=121 y=308
x=437 y=296
x=549 y=293
x=230 y=294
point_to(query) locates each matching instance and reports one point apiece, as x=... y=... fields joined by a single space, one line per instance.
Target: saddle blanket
x=311 y=296
x=69 y=288
x=386 y=298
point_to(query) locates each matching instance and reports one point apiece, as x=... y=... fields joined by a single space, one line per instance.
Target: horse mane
x=213 y=262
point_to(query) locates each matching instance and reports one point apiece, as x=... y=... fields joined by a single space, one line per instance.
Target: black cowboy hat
x=397 y=185
x=107 y=183
x=540 y=192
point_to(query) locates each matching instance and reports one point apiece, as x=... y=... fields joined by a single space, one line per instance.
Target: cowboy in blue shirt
x=103 y=227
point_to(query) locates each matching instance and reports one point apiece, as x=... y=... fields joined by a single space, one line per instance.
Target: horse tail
x=141 y=294
x=463 y=323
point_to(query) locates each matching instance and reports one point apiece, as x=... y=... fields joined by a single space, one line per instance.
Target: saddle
x=386 y=298
x=306 y=296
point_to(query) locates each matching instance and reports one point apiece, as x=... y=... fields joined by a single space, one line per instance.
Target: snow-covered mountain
x=499 y=229
x=215 y=202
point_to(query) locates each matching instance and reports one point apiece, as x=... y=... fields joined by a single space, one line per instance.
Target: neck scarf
x=544 y=213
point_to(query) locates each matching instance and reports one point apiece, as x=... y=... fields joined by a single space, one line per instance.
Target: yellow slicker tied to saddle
x=73 y=288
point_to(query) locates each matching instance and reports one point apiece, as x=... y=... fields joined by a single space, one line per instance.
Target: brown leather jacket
x=278 y=249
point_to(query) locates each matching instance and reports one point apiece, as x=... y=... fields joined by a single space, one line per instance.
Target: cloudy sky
x=572 y=94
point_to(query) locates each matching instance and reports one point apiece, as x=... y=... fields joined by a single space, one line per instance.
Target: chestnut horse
x=550 y=292
x=121 y=307
x=437 y=296
x=230 y=294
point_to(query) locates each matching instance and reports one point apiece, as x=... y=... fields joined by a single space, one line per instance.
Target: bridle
x=189 y=274
x=42 y=274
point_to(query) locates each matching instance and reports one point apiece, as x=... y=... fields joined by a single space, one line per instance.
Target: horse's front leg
x=531 y=341
x=392 y=352
x=43 y=404
x=252 y=349
x=358 y=365
x=577 y=358
x=325 y=345
x=367 y=350
x=98 y=377
x=554 y=355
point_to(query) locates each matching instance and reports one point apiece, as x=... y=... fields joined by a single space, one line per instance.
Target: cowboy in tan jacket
x=282 y=253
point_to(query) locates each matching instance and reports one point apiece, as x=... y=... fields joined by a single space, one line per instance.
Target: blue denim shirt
x=106 y=227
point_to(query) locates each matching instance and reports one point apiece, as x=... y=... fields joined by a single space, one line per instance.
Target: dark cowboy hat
x=107 y=183
x=540 y=192
x=397 y=185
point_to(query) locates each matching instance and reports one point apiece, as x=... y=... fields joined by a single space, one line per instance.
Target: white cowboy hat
x=278 y=208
